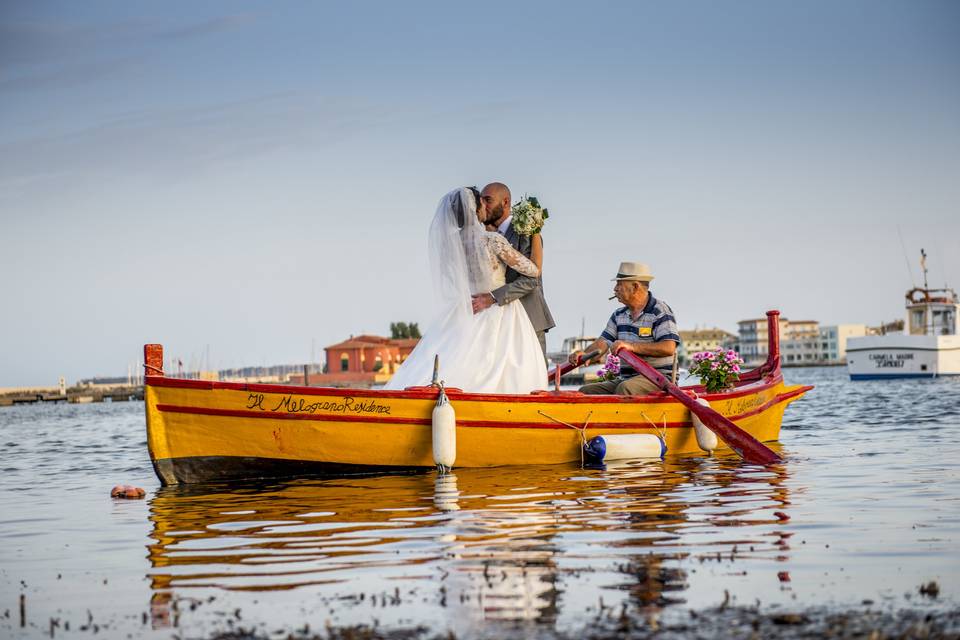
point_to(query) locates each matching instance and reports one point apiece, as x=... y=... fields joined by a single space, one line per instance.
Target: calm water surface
x=867 y=508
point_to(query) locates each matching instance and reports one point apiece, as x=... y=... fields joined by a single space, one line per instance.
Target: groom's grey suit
x=528 y=290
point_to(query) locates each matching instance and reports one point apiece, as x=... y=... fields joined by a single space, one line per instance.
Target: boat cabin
x=932 y=312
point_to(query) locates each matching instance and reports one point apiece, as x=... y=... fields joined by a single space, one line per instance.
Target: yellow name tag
x=645 y=331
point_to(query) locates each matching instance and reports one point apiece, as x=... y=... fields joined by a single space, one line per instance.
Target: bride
x=494 y=351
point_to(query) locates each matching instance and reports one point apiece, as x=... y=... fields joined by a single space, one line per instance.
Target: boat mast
x=923 y=267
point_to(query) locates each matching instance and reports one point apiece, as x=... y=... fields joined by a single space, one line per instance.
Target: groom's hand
x=481 y=301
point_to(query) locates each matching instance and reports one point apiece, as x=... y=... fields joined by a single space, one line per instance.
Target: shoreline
x=931 y=620
x=722 y=622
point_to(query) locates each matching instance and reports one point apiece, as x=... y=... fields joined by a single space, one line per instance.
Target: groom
x=496 y=199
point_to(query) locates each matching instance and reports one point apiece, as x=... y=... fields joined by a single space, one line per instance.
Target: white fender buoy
x=444 y=433
x=604 y=448
x=706 y=439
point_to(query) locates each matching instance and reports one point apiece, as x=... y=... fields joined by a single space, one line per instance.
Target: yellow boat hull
x=201 y=431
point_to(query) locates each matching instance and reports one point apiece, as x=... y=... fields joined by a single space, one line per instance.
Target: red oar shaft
x=748 y=447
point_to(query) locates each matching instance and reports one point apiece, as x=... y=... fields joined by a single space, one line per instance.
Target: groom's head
x=496 y=200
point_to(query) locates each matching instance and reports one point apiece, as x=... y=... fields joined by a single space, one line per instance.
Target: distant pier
x=74 y=396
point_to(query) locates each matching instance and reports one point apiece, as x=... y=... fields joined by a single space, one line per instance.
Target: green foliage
x=402 y=330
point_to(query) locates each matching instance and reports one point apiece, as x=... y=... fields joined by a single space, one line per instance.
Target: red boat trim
x=487 y=424
x=431 y=394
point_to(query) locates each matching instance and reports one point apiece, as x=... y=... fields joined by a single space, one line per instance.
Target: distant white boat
x=928 y=347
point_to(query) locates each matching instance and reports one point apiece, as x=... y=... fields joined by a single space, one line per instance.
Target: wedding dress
x=494 y=351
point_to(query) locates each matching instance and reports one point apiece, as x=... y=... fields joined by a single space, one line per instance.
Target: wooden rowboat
x=200 y=431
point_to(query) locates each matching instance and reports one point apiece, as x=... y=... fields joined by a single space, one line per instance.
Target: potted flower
x=610 y=369
x=718 y=370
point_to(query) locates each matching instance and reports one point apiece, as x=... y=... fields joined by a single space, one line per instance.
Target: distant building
x=361 y=360
x=895 y=326
x=753 y=339
x=833 y=341
x=696 y=340
x=274 y=374
x=800 y=343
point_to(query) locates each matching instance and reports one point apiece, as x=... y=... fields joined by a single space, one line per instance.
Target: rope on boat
x=152 y=368
x=662 y=431
x=581 y=431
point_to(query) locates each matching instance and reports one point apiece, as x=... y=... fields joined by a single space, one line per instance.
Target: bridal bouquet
x=610 y=369
x=718 y=370
x=528 y=216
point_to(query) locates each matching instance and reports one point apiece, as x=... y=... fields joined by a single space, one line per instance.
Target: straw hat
x=634 y=271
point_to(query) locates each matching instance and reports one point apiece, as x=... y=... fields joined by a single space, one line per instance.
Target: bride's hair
x=458 y=206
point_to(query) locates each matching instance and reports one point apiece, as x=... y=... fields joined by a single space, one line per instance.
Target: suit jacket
x=528 y=290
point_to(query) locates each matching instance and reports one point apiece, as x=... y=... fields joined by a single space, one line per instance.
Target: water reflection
x=473 y=546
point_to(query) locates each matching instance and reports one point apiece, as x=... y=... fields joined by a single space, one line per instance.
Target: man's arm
x=599 y=344
x=607 y=337
x=515 y=290
x=505 y=294
x=651 y=349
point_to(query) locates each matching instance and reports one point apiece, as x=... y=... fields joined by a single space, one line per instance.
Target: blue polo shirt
x=654 y=324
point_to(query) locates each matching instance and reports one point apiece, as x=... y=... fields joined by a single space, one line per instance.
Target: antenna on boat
x=923 y=266
x=436 y=370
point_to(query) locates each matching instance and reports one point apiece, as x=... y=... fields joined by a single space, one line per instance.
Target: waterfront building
x=833 y=341
x=753 y=339
x=360 y=360
x=894 y=326
x=696 y=340
x=800 y=343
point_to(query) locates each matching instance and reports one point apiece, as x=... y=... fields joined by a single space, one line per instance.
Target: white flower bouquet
x=528 y=216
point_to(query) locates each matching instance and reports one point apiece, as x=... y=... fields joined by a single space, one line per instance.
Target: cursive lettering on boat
x=291 y=404
x=255 y=401
x=745 y=404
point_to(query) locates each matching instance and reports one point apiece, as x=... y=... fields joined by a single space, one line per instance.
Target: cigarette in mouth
x=611 y=297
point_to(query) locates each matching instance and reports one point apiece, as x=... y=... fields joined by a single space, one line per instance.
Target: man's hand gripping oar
x=567 y=367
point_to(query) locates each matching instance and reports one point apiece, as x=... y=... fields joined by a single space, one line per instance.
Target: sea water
x=865 y=512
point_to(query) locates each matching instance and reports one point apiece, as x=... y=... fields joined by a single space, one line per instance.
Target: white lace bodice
x=503 y=255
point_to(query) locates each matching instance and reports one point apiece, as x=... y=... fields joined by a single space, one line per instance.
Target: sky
x=255 y=181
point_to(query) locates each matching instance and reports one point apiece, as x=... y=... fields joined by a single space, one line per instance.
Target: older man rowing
x=646 y=326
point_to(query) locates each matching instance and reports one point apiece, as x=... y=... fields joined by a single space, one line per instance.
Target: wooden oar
x=746 y=446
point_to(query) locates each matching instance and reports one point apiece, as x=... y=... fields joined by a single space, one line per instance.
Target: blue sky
x=257 y=178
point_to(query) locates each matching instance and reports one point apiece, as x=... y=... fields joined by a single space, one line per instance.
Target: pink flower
x=735 y=368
